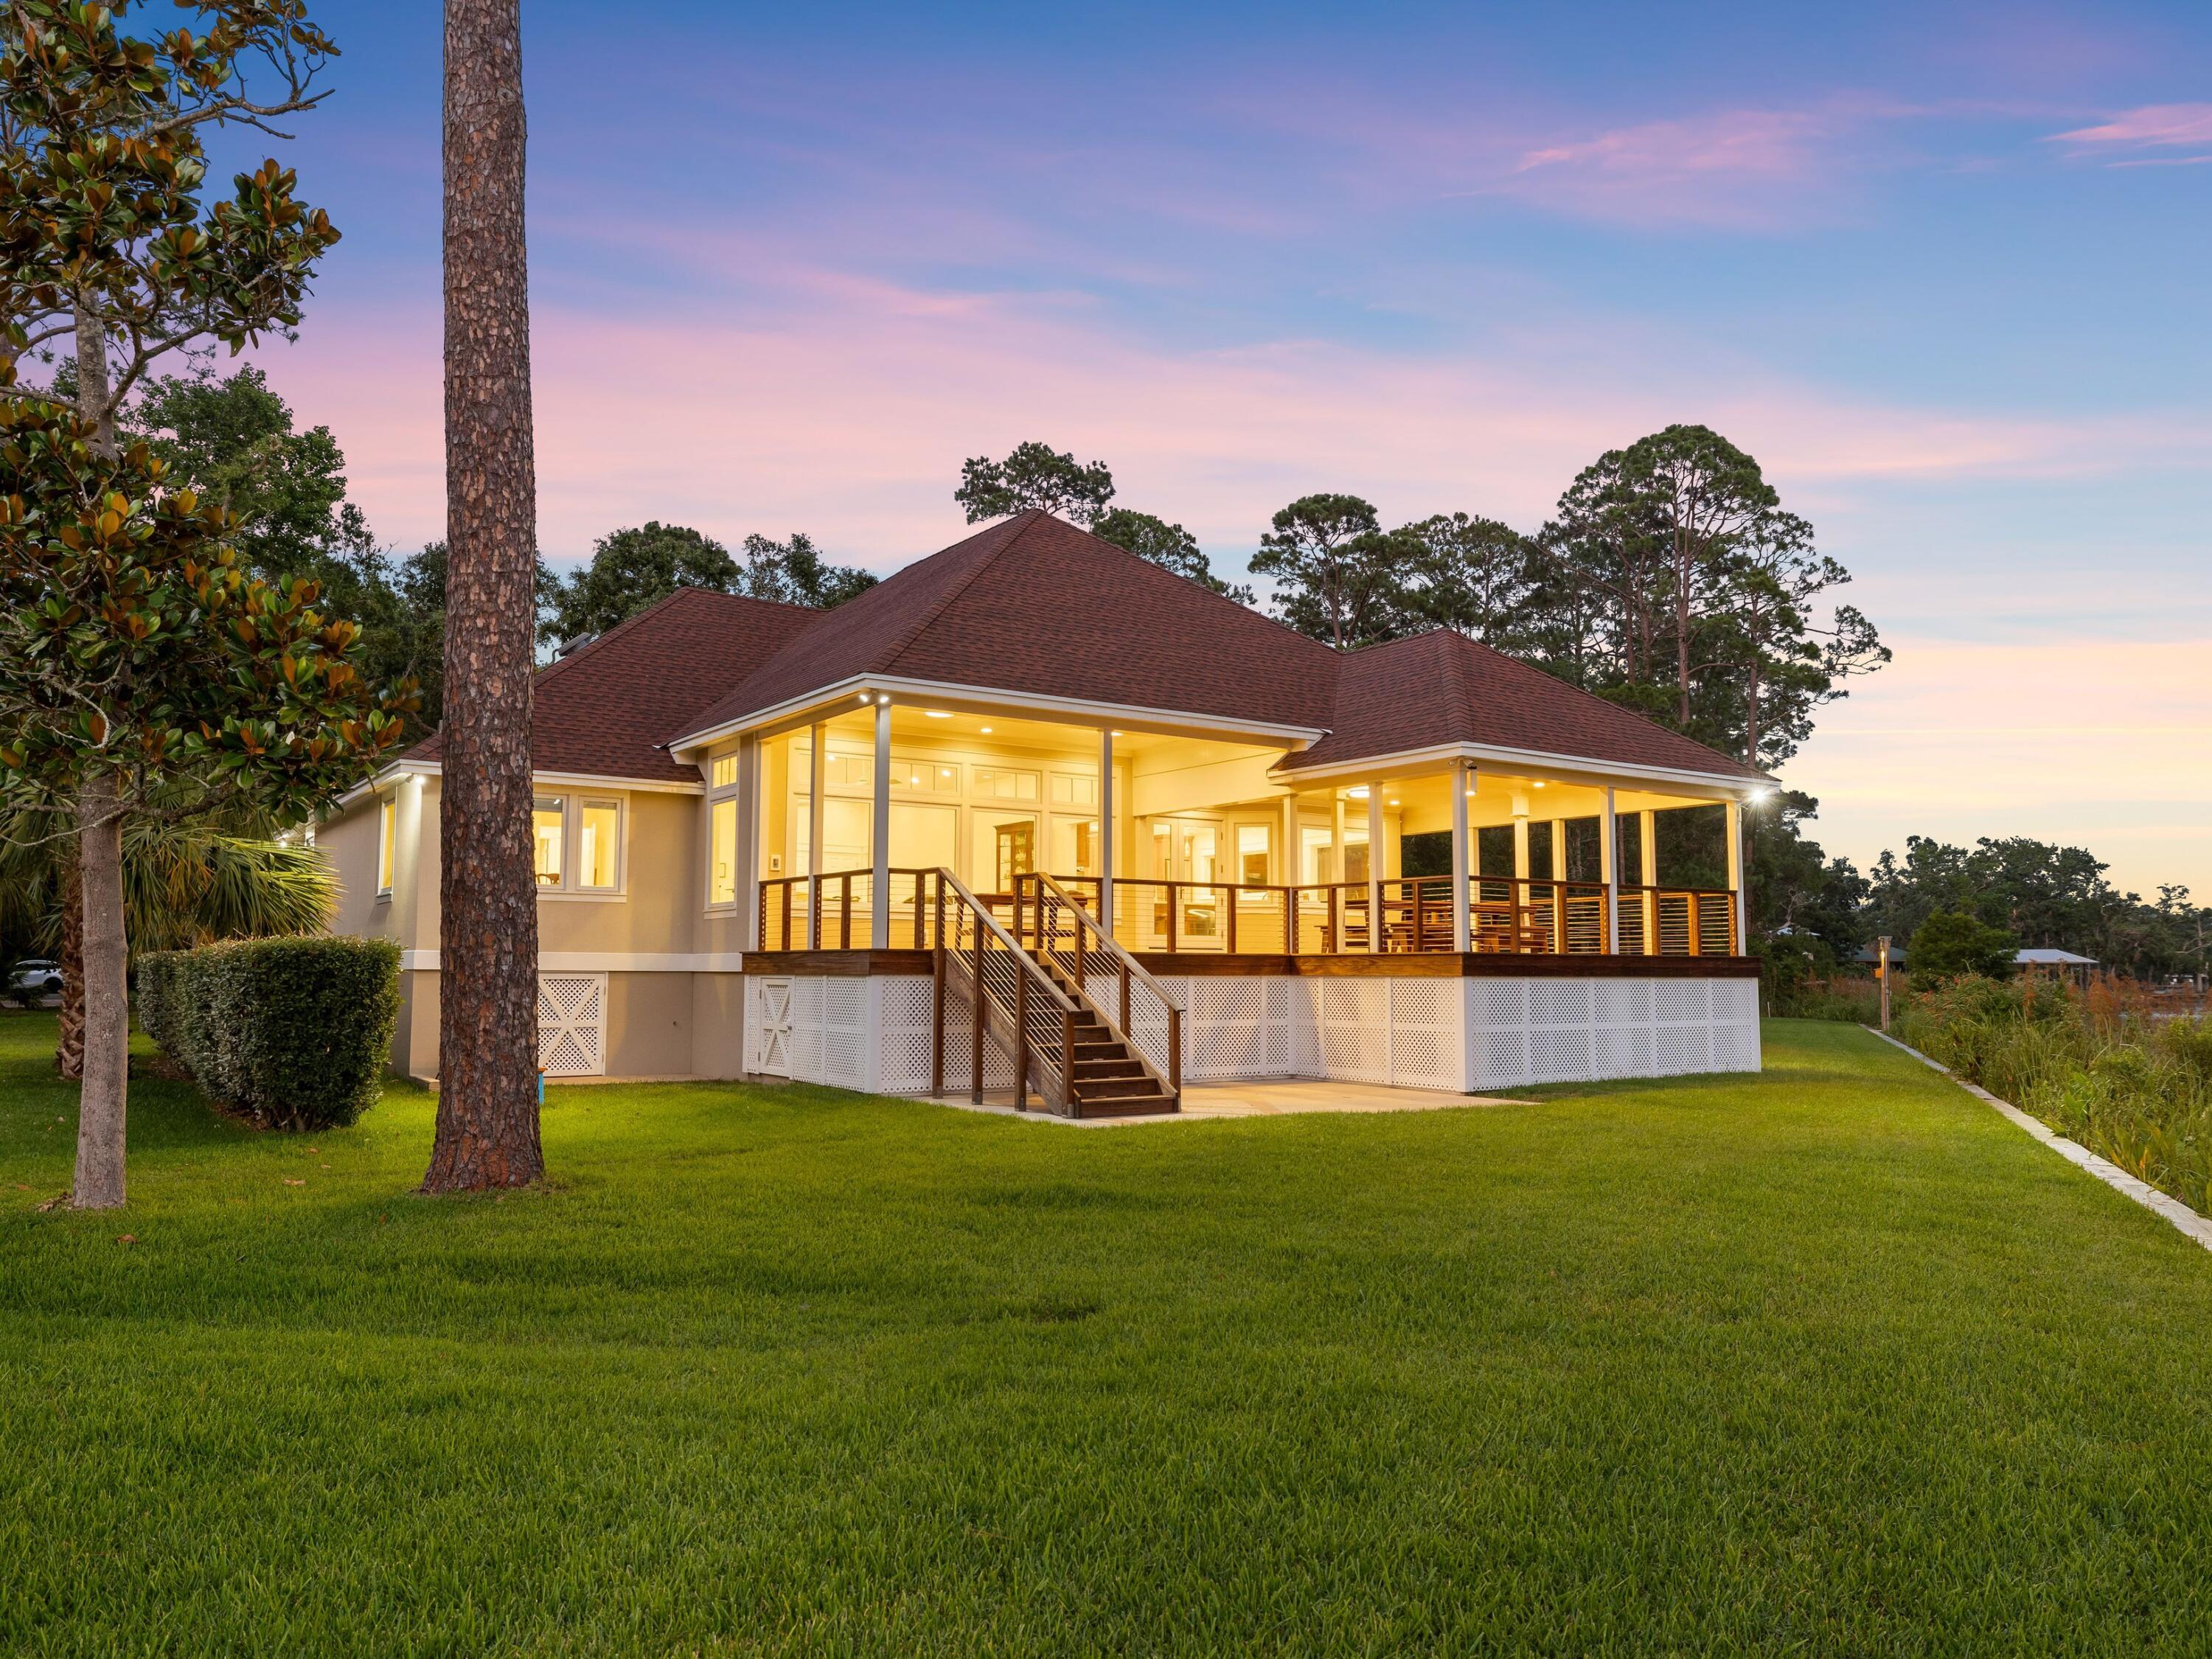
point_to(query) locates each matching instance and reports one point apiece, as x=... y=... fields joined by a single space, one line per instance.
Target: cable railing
x=1062 y=930
x=847 y=922
x=1410 y=915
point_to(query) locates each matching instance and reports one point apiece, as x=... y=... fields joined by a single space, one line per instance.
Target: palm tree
x=186 y=881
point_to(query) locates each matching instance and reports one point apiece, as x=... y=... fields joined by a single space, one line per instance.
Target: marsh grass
x=2100 y=1064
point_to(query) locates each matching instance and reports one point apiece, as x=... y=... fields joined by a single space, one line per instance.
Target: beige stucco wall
x=657 y=908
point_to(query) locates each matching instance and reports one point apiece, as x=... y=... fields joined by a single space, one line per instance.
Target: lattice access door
x=572 y=1024
x=771 y=1028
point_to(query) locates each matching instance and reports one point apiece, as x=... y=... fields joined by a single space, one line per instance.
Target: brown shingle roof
x=1033 y=604
x=1443 y=687
x=603 y=710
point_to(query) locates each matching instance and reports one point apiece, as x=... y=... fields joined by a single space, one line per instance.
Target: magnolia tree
x=138 y=655
x=141 y=670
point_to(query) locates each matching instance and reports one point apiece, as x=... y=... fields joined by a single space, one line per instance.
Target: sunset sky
x=1943 y=269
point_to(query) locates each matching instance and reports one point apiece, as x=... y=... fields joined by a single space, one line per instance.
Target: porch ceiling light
x=938 y=713
x=1359 y=793
x=1540 y=783
x=986 y=731
x=883 y=697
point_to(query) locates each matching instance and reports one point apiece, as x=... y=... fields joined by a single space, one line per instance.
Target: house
x=1034 y=806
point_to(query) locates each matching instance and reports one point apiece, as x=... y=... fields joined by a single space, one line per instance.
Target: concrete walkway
x=1206 y=1101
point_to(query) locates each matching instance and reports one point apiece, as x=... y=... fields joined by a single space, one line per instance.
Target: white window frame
x=717 y=795
x=387 y=846
x=572 y=801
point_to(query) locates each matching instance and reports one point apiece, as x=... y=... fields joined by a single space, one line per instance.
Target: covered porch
x=1194 y=844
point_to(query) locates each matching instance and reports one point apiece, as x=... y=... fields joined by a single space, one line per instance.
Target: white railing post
x=880 y=928
x=818 y=772
x=747 y=852
x=1736 y=877
x=1106 y=837
x=1375 y=865
x=1609 y=871
x=1648 y=857
x=1462 y=781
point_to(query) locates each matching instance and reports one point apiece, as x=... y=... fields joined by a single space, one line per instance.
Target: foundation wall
x=1460 y=1036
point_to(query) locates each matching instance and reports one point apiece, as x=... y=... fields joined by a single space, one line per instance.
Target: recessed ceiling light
x=938 y=713
x=986 y=731
x=1357 y=794
x=1394 y=803
x=1540 y=783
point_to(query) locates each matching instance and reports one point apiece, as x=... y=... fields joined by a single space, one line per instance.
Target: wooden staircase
x=1110 y=1079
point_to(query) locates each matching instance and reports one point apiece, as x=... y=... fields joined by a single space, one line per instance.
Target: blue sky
x=1941 y=269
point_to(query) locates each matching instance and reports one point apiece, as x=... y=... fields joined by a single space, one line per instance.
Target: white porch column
x=879 y=931
x=1608 y=869
x=748 y=850
x=1374 y=866
x=1735 y=877
x=1106 y=835
x=1521 y=869
x=1462 y=780
x=1647 y=843
x=818 y=770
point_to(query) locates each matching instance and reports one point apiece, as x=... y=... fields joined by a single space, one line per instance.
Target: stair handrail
x=1127 y=969
x=1112 y=947
x=1032 y=981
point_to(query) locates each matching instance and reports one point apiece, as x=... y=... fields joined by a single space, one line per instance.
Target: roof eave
x=399 y=769
x=858 y=688
x=1720 y=784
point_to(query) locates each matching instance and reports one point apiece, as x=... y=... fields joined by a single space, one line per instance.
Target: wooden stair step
x=1151 y=1105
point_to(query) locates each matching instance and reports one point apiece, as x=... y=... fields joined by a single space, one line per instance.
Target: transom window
x=1001 y=783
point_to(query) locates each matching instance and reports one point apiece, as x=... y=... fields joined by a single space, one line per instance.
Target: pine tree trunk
x=99 y=1137
x=487 y=1133
x=69 y=1044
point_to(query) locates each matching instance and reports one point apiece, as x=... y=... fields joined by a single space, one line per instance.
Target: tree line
x=1670 y=578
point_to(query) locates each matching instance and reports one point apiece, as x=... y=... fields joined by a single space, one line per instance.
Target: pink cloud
x=1743 y=169
x=846 y=409
x=2154 y=126
x=1744 y=144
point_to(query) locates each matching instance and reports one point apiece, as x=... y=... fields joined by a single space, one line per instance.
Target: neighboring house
x=793 y=844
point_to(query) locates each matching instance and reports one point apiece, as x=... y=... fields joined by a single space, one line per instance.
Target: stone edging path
x=2195 y=1225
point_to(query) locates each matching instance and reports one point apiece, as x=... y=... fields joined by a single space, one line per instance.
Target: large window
x=1252 y=841
x=548 y=832
x=722 y=870
x=722 y=777
x=576 y=844
x=387 y=838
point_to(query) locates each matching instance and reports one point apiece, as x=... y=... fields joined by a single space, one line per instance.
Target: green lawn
x=1831 y=1360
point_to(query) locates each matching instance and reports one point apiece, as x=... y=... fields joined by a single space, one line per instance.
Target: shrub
x=292 y=1032
x=1951 y=942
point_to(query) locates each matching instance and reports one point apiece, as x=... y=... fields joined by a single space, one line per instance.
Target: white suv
x=36 y=976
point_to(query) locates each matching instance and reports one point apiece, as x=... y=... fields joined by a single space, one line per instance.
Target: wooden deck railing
x=1518 y=915
x=1062 y=927
x=1012 y=1001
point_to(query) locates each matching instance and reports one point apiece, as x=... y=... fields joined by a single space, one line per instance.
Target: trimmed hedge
x=296 y=1033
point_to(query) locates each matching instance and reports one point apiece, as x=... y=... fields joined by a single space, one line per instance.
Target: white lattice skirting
x=1465 y=1035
